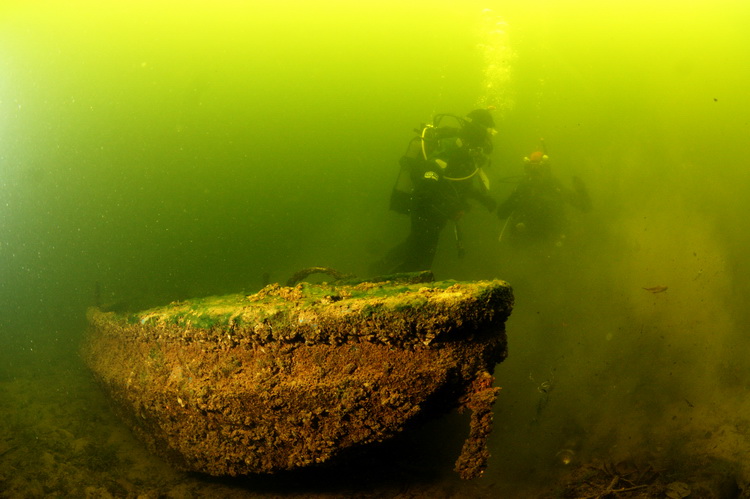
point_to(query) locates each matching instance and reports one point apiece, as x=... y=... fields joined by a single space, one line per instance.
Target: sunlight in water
x=497 y=67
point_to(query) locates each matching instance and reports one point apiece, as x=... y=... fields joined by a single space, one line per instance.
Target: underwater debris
x=292 y=377
x=702 y=476
x=304 y=273
x=657 y=289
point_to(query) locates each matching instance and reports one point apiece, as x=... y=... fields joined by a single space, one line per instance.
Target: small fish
x=657 y=289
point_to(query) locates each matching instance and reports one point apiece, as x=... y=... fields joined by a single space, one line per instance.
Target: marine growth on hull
x=293 y=376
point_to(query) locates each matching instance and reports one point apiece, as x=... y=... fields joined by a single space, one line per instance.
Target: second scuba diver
x=534 y=213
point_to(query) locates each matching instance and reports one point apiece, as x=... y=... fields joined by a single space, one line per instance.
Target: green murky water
x=168 y=150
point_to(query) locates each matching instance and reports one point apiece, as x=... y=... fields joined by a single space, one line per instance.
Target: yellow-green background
x=175 y=149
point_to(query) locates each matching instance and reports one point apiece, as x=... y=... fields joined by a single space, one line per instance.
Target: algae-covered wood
x=293 y=376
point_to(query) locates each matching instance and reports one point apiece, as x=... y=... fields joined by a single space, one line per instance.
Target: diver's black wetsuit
x=440 y=189
x=535 y=210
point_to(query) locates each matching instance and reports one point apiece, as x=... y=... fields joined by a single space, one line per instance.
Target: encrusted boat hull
x=293 y=376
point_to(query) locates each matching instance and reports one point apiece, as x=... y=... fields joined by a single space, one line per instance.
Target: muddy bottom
x=59 y=438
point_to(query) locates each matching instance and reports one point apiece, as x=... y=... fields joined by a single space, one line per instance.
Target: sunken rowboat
x=294 y=376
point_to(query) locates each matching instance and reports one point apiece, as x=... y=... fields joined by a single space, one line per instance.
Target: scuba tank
x=440 y=143
x=437 y=144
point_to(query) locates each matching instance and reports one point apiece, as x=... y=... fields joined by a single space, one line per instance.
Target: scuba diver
x=534 y=213
x=441 y=169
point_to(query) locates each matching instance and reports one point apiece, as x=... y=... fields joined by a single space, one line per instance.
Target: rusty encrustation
x=296 y=376
x=480 y=398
